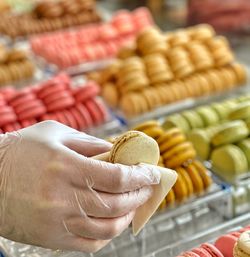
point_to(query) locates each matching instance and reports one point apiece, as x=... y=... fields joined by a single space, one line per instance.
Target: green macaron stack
x=219 y=133
x=210 y=115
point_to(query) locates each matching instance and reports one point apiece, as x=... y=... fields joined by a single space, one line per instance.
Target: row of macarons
x=55 y=99
x=92 y=42
x=232 y=244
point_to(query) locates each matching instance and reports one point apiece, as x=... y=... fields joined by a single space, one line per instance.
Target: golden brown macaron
x=196 y=179
x=127 y=149
x=170 y=138
x=170 y=198
x=240 y=72
x=187 y=179
x=180 y=189
x=201 y=32
x=110 y=94
x=206 y=178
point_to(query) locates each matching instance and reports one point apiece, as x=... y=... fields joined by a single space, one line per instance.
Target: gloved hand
x=52 y=195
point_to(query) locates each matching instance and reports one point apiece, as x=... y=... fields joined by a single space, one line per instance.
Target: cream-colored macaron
x=242 y=247
x=128 y=148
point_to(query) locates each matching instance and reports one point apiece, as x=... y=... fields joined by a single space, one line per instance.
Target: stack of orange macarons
x=55 y=99
x=164 y=68
x=179 y=154
x=14 y=65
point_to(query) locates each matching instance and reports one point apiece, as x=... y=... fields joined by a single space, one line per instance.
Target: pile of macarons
x=179 y=154
x=55 y=99
x=220 y=133
x=233 y=244
x=15 y=65
x=163 y=68
x=44 y=16
x=92 y=42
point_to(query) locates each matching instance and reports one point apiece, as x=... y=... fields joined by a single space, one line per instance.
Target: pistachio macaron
x=229 y=161
x=244 y=145
x=230 y=132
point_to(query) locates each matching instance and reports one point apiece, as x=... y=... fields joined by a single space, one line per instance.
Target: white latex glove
x=52 y=195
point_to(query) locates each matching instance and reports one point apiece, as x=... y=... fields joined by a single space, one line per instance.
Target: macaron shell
x=214 y=252
x=85 y=115
x=244 y=242
x=32 y=113
x=231 y=132
x=94 y=111
x=201 y=252
x=190 y=254
x=229 y=160
x=127 y=149
x=225 y=244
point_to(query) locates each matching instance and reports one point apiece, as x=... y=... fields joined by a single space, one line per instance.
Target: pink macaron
x=94 y=111
x=86 y=116
x=70 y=119
x=81 y=124
x=61 y=103
x=225 y=244
x=212 y=250
x=21 y=98
x=189 y=254
x=32 y=113
x=27 y=123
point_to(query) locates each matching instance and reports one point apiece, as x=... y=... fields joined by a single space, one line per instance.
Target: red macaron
x=94 y=111
x=71 y=119
x=12 y=127
x=56 y=96
x=51 y=87
x=89 y=90
x=61 y=103
x=21 y=98
x=31 y=113
x=85 y=115
x=27 y=123
x=81 y=123
x=212 y=250
x=7 y=115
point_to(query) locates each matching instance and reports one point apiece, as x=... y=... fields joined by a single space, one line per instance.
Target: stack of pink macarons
x=55 y=99
x=92 y=42
x=223 y=246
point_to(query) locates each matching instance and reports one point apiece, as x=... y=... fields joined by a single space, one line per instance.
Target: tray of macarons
x=58 y=98
x=220 y=135
x=90 y=47
x=164 y=68
x=229 y=239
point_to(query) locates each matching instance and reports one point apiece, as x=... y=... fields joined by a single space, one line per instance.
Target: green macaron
x=244 y=145
x=221 y=110
x=229 y=161
x=201 y=143
x=193 y=119
x=208 y=115
x=240 y=112
x=176 y=120
x=230 y=132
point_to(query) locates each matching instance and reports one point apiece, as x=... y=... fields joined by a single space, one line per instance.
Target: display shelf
x=208 y=235
x=180 y=222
